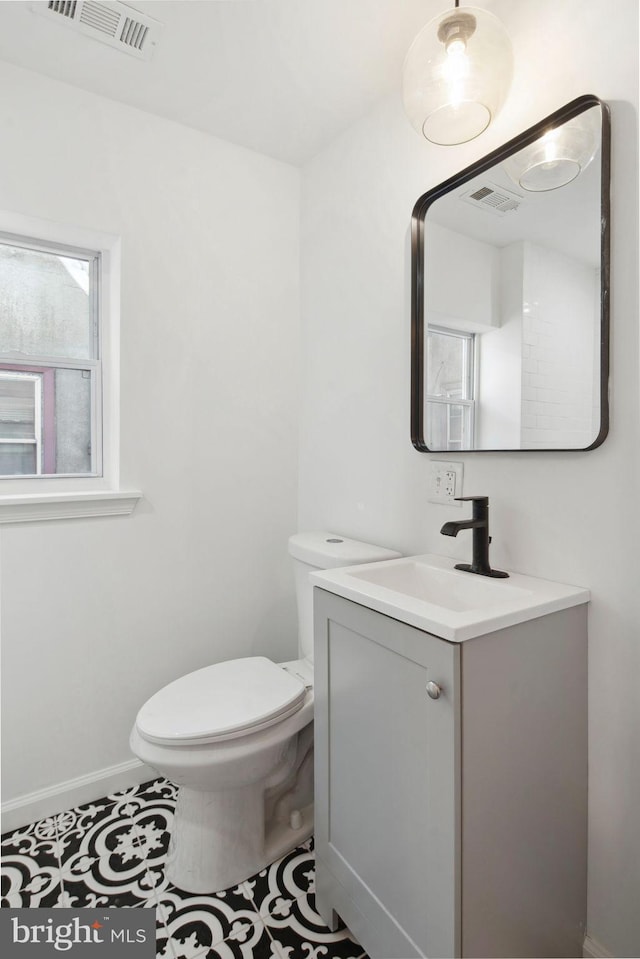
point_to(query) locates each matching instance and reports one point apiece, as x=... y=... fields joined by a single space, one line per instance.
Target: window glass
x=49 y=361
x=73 y=421
x=45 y=303
x=449 y=426
x=450 y=403
x=447 y=366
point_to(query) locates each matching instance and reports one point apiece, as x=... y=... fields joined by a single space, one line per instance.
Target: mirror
x=510 y=278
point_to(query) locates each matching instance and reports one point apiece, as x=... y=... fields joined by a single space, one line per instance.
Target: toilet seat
x=220 y=702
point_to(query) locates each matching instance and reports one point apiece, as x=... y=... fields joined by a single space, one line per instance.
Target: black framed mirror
x=510 y=294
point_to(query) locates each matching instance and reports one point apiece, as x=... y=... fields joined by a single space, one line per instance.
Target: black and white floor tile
x=112 y=853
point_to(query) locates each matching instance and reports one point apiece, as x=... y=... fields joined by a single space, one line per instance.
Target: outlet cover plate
x=445 y=482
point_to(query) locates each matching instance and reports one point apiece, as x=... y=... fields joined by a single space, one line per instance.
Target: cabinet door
x=387 y=796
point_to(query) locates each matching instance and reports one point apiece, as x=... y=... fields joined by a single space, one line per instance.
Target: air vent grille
x=109 y=21
x=134 y=33
x=67 y=8
x=495 y=199
x=100 y=17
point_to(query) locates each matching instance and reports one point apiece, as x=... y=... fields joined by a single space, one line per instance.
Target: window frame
x=65 y=496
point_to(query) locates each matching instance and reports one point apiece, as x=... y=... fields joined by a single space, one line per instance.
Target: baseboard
x=592 y=949
x=54 y=799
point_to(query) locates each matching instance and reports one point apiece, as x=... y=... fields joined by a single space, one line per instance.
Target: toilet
x=237 y=739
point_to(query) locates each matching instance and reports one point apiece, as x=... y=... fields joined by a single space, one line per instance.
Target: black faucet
x=479 y=523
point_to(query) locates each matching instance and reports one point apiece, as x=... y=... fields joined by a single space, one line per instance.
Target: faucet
x=479 y=523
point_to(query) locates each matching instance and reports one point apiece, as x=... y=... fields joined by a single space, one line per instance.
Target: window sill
x=36 y=507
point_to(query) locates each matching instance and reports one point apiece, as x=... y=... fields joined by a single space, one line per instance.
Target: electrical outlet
x=445 y=482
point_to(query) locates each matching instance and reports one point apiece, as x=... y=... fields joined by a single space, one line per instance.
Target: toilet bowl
x=237 y=739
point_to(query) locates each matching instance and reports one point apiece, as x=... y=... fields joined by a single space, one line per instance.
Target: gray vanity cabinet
x=451 y=783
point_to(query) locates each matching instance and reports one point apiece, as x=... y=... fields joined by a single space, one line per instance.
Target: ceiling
x=283 y=77
x=566 y=220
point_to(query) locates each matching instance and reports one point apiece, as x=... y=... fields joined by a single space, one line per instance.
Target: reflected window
x=450 y=406
x=49 y=360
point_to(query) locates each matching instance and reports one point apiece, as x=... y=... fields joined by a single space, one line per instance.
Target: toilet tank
x=321 y=550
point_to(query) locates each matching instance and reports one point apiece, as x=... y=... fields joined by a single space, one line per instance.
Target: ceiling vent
x=110 y=22
x=493 y=198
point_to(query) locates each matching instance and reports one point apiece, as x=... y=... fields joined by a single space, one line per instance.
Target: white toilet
x=237 y=738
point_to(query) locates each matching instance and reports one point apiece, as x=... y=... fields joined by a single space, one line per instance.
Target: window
x=50 y=368
x=450 y=389
x=59 y=404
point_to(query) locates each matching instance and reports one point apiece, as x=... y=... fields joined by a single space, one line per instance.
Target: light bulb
x=550 y=146
x=455 y=70
x=456 y=46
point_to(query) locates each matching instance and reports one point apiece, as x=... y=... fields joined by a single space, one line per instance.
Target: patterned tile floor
x=112 y=853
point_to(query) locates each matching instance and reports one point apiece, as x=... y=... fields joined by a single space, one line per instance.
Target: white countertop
x=429 y=593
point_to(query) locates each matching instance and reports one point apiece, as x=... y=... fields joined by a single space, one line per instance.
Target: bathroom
x=288 y=279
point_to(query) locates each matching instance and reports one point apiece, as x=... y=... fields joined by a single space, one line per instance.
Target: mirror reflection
x=509 y=295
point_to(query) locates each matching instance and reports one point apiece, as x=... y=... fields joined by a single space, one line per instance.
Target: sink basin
x=428 y=592
x=441 y=587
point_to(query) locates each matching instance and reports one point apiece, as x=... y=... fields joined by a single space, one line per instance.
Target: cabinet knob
x=434 y=690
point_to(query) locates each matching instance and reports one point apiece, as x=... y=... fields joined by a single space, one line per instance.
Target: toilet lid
x=221 y=702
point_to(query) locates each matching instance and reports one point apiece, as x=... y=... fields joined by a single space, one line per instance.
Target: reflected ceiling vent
x=493 y=198
x=110 y=22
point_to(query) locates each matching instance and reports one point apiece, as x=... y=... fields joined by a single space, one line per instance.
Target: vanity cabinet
x=451 y=784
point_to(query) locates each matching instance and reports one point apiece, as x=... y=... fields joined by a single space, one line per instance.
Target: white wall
x=558 y=331
x=98 y=614
x=499 y=413
x=461 y=281
x=572 y=517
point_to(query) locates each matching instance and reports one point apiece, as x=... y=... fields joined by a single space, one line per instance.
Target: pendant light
x=457 y=74
x=558 y=156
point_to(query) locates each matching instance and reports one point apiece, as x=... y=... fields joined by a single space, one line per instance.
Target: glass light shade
x=558 y=156
x=456 y=75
